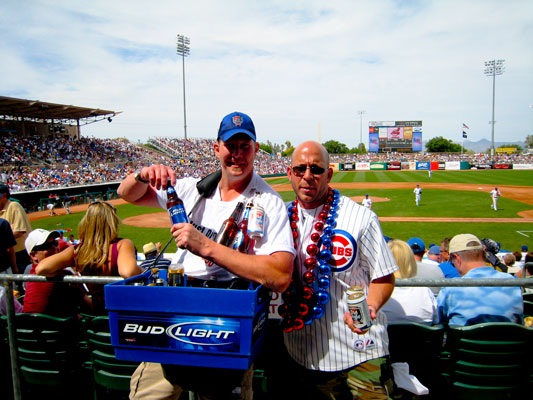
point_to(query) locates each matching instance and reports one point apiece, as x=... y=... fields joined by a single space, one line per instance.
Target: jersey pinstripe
x=328 y=344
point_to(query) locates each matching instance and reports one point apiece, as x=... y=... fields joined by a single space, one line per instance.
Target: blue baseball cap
x=434 y=250
x=416 y=244
x=234 y=123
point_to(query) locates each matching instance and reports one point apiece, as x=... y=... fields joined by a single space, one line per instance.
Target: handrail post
x=8 y=293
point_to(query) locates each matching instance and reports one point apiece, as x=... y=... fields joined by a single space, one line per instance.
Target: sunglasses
x=104 y=203
x=46 y=246
x=300 y=170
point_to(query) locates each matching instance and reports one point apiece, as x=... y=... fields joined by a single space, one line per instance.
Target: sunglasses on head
x=103 y=202
x=46 y=246
x=299 y=170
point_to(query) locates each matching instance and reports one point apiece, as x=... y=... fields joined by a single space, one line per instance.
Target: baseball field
x=452 y=202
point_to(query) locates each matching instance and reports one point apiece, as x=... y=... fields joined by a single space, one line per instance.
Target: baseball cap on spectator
x=435 y=250
x=4 y=188
x=149 y=248
x=234 y=123
x=38 y=237
x=524 y=248
x=416 y=244
x=465 y=241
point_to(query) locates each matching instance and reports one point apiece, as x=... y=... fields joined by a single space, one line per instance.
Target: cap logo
x=237 y=120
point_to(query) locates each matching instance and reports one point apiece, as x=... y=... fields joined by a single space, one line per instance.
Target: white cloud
x=291 y=65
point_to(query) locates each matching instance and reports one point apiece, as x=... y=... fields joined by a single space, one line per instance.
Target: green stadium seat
x=488 y=361
x=420 y=346
x=111 y=377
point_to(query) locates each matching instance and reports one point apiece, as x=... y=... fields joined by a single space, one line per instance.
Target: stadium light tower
x=183 y=50
x=360 y=113
x=493 y=68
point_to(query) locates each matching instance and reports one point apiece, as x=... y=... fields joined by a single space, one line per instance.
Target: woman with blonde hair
x=409 y=304
x=100 y=251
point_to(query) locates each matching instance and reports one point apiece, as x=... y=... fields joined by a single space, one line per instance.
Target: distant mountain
x=484 y=144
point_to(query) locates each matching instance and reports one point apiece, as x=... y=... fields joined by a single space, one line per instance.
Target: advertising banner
x=503 y=166
x=417 y=141
x=394 y=166
x=373 y=142
x=362 y=166
x=453 y=165
x=349 y=167
x=434 y=165
x=522 y=166
x=422 y=165
x=481 y=165
x=406 y=165
x=378 y=166
x=442 y=166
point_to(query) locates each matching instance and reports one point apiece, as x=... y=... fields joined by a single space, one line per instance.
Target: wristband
x=139 y=179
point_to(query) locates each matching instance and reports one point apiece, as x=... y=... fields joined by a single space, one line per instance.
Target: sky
x=301 y=69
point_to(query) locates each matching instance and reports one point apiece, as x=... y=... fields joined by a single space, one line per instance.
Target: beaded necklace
x=304 y=303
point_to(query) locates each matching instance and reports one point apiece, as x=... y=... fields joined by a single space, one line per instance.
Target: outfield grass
x=435 y=203
x=485 y=177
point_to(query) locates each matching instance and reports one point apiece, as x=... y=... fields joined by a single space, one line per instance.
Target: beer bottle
x=242 y=241
x=175 y=207
x=229 y=228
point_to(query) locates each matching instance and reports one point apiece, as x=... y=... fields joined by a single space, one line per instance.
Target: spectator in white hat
x=473 y=305
x=51 y=298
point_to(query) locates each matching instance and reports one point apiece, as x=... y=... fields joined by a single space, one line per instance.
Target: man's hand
x=349 y=321
x=158 y=175
x=188 y=237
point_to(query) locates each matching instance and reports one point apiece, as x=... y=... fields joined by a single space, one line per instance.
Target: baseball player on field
x=418 y=194
x=495 y=193
x=367 y=202
x=330 y=357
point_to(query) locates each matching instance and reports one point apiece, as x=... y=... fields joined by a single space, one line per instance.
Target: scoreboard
x=398 y=136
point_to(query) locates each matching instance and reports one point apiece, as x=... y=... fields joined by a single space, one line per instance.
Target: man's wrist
x=138 y=177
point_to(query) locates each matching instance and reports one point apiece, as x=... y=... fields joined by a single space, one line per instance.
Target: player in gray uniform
x=495 y=194
x=330 y=357
x=418 y=194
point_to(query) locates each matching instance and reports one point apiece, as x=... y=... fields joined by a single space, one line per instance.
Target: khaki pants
x=149 y=382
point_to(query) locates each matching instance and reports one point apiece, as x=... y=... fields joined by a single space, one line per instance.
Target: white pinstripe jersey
x=328 y=344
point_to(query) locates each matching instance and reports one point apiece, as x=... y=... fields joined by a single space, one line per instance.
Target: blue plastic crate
x=204 y=327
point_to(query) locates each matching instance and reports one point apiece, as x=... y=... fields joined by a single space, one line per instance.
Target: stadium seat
x=528 y=308
x=420 y=346
x=527 y=296
x=48 y=356
x=489 y=361
x=111 y=377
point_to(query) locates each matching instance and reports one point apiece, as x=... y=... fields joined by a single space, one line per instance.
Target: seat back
x=528 y=308
x=420 y=346
x=489 y=360
x=109 y=373
x=48 y=354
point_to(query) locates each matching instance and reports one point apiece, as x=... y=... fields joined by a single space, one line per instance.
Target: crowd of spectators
x=37 y=162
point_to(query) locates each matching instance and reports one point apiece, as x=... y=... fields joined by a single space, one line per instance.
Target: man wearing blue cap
x=425 y=270
x=269 y=261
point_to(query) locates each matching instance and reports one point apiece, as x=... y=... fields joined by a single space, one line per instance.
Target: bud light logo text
x=182 y=333
x=200 y=334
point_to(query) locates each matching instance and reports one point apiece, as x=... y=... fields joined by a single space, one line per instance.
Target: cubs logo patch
x=237 y=120
x=344 y=250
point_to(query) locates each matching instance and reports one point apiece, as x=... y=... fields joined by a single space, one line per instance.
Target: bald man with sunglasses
x=329 y=356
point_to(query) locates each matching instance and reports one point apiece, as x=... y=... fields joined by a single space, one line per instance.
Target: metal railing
x=10 y=305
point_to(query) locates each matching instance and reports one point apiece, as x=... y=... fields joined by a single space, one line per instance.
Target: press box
x=203 y=327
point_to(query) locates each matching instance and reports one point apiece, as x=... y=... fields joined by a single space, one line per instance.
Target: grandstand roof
x=12 y=108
